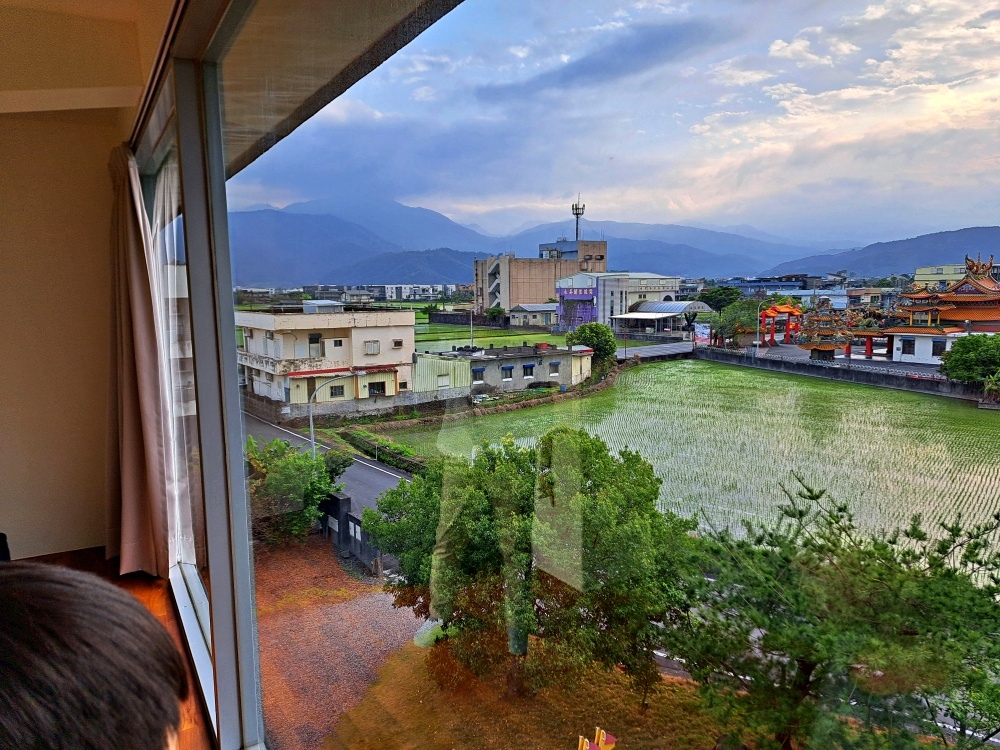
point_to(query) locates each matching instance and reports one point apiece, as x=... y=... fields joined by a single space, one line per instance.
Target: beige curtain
x=137 y=506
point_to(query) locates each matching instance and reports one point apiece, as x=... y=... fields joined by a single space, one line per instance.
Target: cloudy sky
x=813 y=119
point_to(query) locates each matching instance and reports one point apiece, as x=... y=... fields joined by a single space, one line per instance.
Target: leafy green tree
x=738 y=319
x=805 y=622
x=972 y=359
x=719 y=297
x=495 y=313
x=542 y=560
x=286 y=487
x=336 y=463
x=598 y=337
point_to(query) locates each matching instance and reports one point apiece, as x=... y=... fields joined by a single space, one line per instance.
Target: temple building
x=934 y=319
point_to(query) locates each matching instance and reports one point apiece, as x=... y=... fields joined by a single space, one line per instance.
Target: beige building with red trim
x=287 y=355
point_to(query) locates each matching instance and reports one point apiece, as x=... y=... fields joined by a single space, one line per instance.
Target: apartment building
x=324 y=353
x=598 y=297
x=111 y=463
x=508 y=281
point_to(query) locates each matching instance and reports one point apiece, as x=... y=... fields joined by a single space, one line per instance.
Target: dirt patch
x=405 y=708
x=323 y=635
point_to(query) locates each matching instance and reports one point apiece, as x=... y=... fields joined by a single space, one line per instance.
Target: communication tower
x=578 y=212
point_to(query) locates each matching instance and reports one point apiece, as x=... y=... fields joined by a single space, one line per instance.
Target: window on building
x=315 y=345
x=507 y=372
x=336 y=391
x=376 y=389
x=938 y=347
x=397 y=343
x=909 y=346
x=529 y=371
x=478 y=374
x=403 y=385
x=268 y=377
x=269 y=335
x=338 y=342
x=444 y=381
x=553 y=368
x=372 y=347
x=939 y=270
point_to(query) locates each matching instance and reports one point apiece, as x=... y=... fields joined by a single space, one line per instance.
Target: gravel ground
x=323 y=636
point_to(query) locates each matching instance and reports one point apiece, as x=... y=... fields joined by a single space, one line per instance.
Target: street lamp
x=312 y=396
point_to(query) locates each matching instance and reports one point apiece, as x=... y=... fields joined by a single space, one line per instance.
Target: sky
x=808 y=119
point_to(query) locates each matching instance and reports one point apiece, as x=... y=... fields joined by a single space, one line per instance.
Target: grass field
x=436 y=337
x=723 y=438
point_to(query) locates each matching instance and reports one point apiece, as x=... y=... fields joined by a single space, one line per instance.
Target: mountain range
x=364 y=239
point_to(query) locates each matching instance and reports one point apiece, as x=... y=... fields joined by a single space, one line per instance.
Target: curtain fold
x=138 y=515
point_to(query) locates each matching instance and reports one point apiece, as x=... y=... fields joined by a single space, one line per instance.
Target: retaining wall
x=279 y=412
x=879 y=378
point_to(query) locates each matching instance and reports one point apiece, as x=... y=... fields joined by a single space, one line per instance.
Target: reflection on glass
x=170 y=294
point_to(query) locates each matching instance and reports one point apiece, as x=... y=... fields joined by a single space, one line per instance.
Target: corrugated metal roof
x=536 y=307
x=690 y=306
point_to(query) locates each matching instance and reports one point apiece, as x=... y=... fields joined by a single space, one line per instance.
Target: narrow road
x=365 y=480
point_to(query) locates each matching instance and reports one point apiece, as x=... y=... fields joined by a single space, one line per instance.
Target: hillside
x=900 y=256
x=440 y=266
x=274 y=248
x=674 y=260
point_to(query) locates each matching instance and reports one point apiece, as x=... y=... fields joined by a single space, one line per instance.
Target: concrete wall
x=880 y=378
x=278 y=412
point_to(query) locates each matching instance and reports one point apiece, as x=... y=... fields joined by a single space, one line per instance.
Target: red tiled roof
x=991 y=312
x=926 y=330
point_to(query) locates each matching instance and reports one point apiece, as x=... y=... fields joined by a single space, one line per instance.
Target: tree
x=286 y=487
x=719 y=297
x=598 y=337
x=972 y=359
x=805 y=622
x=336 y=463
x=542 y=560
x=495 y=313
x=738 y=318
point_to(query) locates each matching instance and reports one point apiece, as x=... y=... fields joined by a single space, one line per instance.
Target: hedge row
x=385 y=454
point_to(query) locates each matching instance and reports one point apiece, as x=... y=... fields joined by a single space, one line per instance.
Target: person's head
x=83 y=664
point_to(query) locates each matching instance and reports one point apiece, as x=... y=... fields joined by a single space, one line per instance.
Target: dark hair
x=82 y=664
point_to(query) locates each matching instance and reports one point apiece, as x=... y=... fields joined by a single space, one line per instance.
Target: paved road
x=364 y=481
x=790 y=351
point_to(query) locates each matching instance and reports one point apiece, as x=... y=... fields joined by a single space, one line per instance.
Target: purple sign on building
x=577 y=306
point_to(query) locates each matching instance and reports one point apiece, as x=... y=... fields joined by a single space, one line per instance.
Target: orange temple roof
x=927 y=330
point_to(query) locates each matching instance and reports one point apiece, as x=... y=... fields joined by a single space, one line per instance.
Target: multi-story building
x=939 y=277
x=507 y=281
x=598 y=297
x=866 y=297
x=290 y=354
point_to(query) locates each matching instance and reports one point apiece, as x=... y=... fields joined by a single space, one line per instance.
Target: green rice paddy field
x=438 y=337
x=723 y=438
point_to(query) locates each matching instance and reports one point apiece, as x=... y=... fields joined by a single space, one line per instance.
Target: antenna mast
x=578 y=212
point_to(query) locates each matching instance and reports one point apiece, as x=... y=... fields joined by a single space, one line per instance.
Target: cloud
x=632 y=51
x=519 y=51
x=728 y=73
x=799 y=50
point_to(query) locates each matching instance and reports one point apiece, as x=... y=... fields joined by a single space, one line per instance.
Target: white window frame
x=373 y=347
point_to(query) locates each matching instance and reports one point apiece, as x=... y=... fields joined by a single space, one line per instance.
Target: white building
x=341 y=356
x=591 y=297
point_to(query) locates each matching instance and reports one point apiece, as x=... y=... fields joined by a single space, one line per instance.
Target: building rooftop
x=539 y=307
x=510 y=352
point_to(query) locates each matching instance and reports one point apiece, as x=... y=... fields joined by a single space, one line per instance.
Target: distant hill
x=440 y=266
x=274 y=248
x=719 y=243
x=408 y=227
x=900 y=256
x=675 y=260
